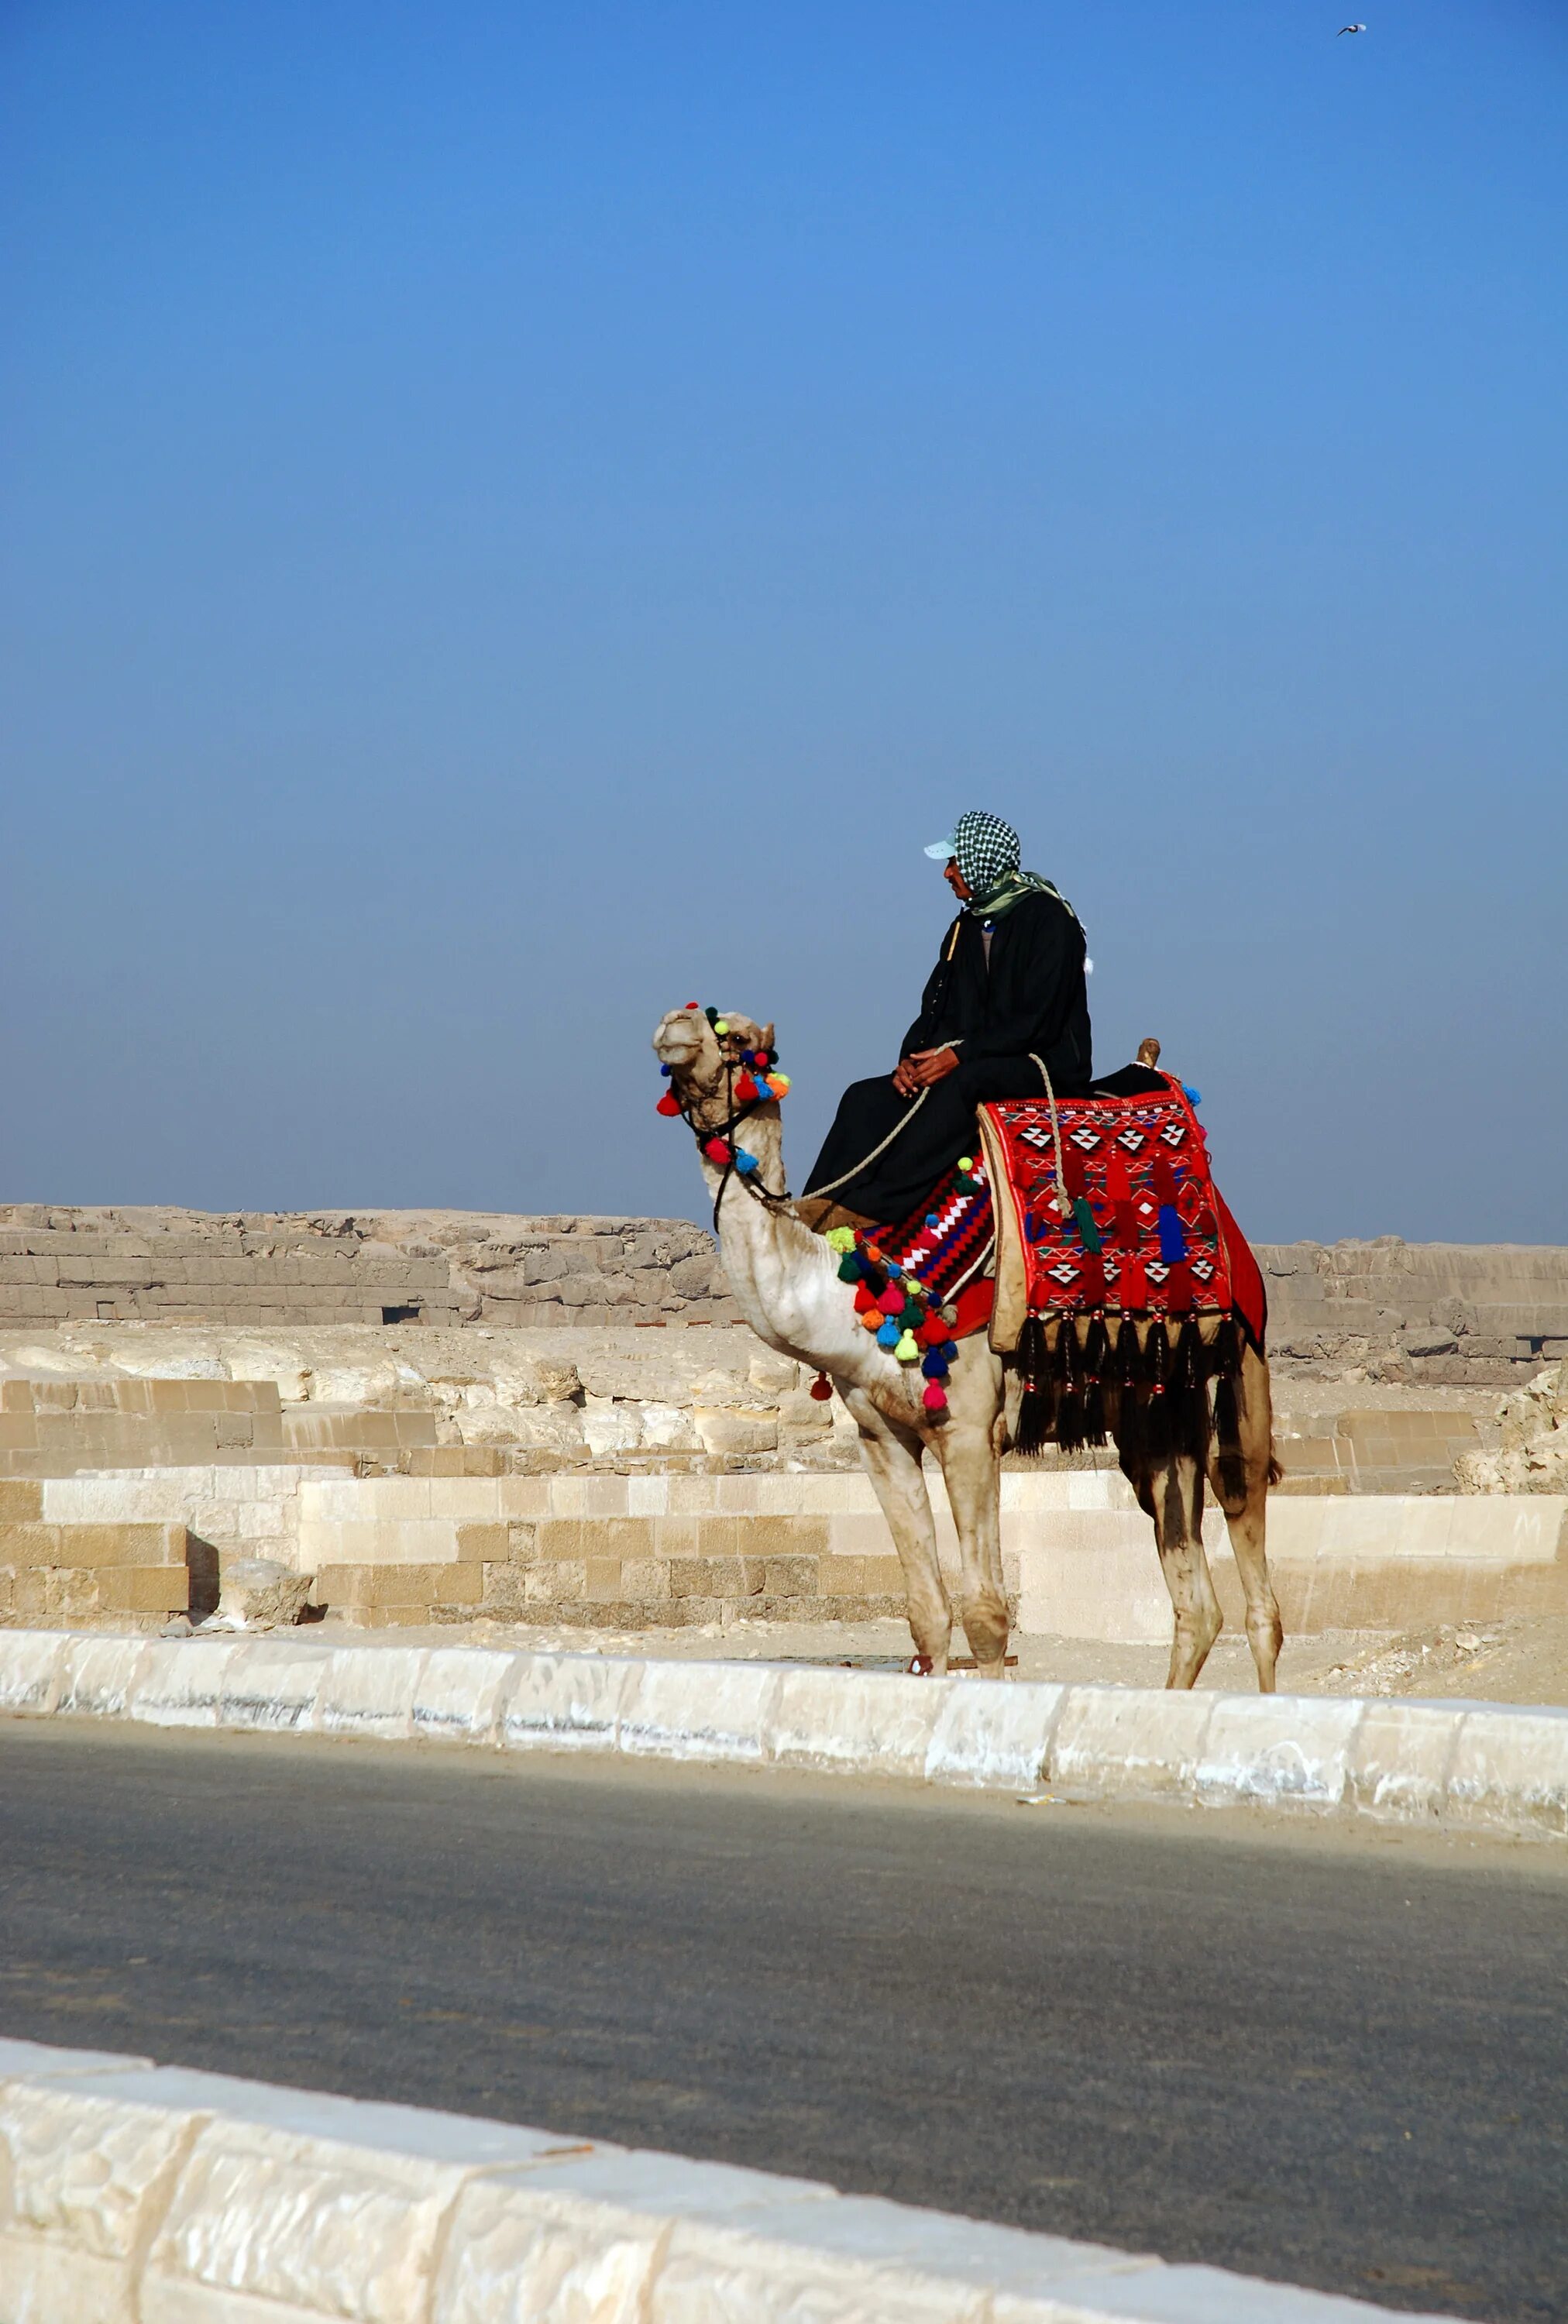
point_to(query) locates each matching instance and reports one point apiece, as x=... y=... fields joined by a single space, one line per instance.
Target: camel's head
x=696 y=1056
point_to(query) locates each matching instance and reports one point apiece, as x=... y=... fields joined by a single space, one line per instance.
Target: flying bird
x=1349 y=28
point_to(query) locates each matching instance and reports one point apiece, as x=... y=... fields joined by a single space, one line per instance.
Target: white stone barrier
x=131 y=2193
x=1481 y=1766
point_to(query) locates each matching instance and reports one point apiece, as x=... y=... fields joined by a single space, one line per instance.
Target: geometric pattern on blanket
x=1146 y=1234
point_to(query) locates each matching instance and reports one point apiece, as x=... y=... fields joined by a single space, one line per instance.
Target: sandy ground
x=1517 y=1661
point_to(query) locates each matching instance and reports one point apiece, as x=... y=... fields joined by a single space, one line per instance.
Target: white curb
x=137 y=2194
x=1481 y=1766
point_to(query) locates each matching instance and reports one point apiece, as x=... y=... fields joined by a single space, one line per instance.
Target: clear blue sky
x=520 y=516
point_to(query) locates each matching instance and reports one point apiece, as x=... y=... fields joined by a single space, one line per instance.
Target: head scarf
x=987 y=852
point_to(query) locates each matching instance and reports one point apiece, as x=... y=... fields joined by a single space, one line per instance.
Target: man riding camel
x=1005 y=1013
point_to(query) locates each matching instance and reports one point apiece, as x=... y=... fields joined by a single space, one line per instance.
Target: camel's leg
x=1173 y=1494
x=969 y=1446
x=1240 y=1478
x=893 y=1459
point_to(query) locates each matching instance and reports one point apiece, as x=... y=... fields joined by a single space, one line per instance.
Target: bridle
x=730 y=1165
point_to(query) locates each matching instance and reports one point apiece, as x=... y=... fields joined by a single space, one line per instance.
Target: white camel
x=785 y=1279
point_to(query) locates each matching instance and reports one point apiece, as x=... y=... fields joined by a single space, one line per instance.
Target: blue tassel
x=665 y=1070
x=744 y=1163
x=764 y=1089
x=931 y=1218
x=1193 y=1096
x=949 y=1349
x=1173 y=1243
x=934 y=1364
x=748 y=1058
x=889 y=1335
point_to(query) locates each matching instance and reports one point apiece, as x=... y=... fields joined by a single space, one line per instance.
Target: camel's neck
x=784 y=1278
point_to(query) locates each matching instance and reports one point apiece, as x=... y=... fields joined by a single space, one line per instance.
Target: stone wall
x=345 y=1266
x=1452 y=1314
x=1444 y=1314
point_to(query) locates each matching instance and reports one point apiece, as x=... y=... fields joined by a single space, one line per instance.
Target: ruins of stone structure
x=177 y=1388
x=1451 y=1314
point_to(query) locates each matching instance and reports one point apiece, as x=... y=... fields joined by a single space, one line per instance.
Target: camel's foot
x=985 y=1625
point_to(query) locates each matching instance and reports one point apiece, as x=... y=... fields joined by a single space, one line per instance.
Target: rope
x=876 y=1154
x=1064 y=1207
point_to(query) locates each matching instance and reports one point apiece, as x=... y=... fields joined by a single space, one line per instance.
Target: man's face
x=957 y=881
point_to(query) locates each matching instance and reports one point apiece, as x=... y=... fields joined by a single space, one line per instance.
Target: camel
x=785 y=1279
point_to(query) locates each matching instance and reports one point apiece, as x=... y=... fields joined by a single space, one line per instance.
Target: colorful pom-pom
x=781 y=1083
x=839 y=1238
x=1193 y=1096
x=668 y=1105
x=932 y=1220
x=746 y=1089
x=889 y=1335
x=666 y=1071
x=745 y=1163
x=849 y=1268
x=717 y=1151
x=720 y=1026
x=865 y=1302
x=966 y=1161
x=764 y=1089
x=712 y=1015
x=891 y=1302
x=873 y=1319
x=821 y=1388
x=933 y=1364
x=906 y=1350
x=936 y=1397
x=691 y=1004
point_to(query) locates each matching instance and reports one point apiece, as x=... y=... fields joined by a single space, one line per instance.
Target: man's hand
x=924 y=1067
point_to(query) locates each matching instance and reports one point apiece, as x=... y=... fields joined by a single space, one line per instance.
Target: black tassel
x=1096 y=1350
x=1157 y=1354
x=1189 y=1357
x=1070 y=1437
x=1064 y=1355
x=1128 y=1364
x=1033 y=1431
x=1093 y=1423
x=1225 y=1353
x=1233 y=1469
x=1130 y=1432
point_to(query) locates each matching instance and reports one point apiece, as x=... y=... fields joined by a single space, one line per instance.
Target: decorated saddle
x=1108 y=1207
x=1090 y=1235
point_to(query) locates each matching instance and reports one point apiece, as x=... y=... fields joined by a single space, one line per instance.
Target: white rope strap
x=1063 y=1208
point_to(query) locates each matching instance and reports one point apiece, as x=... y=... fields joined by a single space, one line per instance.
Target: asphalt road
x=1338 y=2064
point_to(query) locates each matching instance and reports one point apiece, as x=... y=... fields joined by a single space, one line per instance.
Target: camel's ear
x=765 y=1039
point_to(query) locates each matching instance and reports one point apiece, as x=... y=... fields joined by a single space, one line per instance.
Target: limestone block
x=21 y=1501
x=993 y=1735
x=1401 y=1758
x=1132 y=1739
x=608 y=1426
x=516 y=2254
x=99 y=1676
x=1510 y=1767
x=856 y=1718
x=85 y=2172
x=32 y=1664
x=179 y=1682
x=274 y=1686
x=1279 y=1750
x=699 y=1710
x=298 y=2207
x=144 y=1588
x=459 y=1695
x=736 y=1430
x=260 y=1593
x=565 y=1702
x=369 y=1690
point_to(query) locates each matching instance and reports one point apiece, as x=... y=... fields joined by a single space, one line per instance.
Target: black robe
x=1030 y=997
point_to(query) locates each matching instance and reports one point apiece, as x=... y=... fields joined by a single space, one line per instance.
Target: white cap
x=943 y=849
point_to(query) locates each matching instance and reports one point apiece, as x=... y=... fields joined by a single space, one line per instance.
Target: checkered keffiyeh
x=985 y=848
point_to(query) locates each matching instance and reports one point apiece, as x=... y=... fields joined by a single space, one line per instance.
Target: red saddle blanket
x=1144 y=1233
